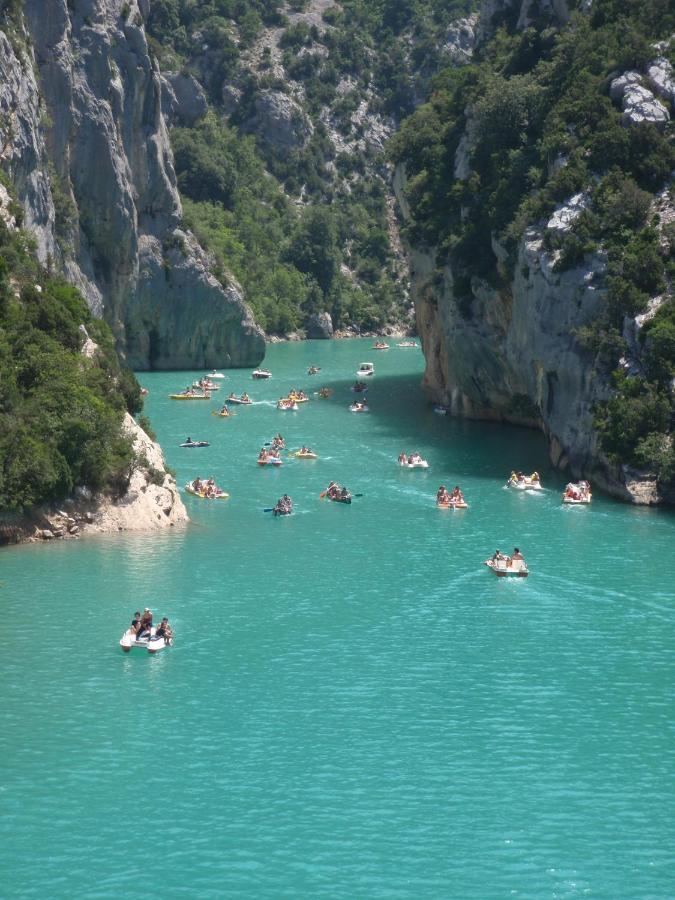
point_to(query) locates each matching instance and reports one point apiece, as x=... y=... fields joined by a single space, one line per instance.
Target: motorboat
x=215 y=374
x=412 y=462
x=577 y=493
x=441 y=410
x=261 y=373
x=151 y=643
x=205 y=385
x=190 y=443
x=506 y=567
x=359 y=408
x=521 y=482
x=287 y=405
x=204 y=493
x=365 y=370
x=380 y=345
x=407 y=344
x=243 y=400
x=298 y=397
x=190 y=395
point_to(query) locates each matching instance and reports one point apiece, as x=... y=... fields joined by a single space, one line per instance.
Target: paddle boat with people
x=188 y=442
x=286 y=405
x=261 y=373
x=359 y=407
x=214 y=374
x=190 y=394
x=521 y=482
x=143 y=635
x=277 y=442
x=508 y=566
x=412 y=461
x=205 y=489
x=380 y=345
x=244 y=400
x=577 y=493
x=205 y=385
x=366 y=369
x=454 y=499
x=269 y=457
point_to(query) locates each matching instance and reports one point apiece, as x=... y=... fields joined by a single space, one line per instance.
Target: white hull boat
x=152 y=644
x=419 y=464
x=507 y=567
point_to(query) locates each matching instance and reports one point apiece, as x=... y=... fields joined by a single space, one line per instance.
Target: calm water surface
x=354 y=706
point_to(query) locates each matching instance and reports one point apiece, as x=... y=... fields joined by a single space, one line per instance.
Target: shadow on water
x=399 y=407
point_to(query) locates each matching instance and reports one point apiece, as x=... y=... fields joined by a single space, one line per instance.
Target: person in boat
x=402 y=457
x=332 y=489
x=498 y=556
x=164 y=631
x=188 y=440
x=224 y=411
x=262 y=456
x=344 y=494
x=442 y=495
x=534 y=478
x=145 y=624
x=457 y=496
x=517 y=555
x=135 y=622
x=245 y=397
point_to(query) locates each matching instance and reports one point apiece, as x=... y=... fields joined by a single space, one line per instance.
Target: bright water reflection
x=354 y=706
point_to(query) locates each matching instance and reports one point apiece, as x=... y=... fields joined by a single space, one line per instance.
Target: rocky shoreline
x=151 y=502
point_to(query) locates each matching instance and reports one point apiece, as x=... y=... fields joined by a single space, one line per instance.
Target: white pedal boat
x=524 y=483
x=417 y=464
x=152 y=644
x=366 y=368
x=506 y=567
x=578 y=493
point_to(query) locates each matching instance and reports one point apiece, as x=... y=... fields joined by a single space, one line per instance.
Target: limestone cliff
x=506 y=346
x=83 y=138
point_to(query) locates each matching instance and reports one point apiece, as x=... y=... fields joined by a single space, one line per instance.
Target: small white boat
x=189 y=443
x=205 y=385
x=245 y=401
x=417 y=463
x=508 y=567
x=521 y=482
x=261 y=373
x=441 y=410
x=215 y=374
x=359 y=408
x=577 y=493
x=366 y=368
x=407 y=344
x=287 y=405
x=152 y=644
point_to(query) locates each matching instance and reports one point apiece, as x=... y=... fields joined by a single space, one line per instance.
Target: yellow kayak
x=300 y=455
x=189 y=396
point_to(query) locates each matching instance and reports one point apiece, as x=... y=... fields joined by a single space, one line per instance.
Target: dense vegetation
x=315 y=234
x=60 y=413
x=542 y=126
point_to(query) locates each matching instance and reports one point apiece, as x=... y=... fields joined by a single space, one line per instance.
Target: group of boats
x=383 y=345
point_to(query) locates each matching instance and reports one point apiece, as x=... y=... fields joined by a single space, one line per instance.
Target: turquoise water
x=355 y=707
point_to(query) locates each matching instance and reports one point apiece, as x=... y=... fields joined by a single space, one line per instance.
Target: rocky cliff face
x=510 y=353
x=83 y=137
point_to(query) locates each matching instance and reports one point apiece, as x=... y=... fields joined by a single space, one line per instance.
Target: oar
x=269 y=509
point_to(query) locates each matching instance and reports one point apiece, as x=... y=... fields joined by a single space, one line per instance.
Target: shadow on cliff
x=399 y=407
